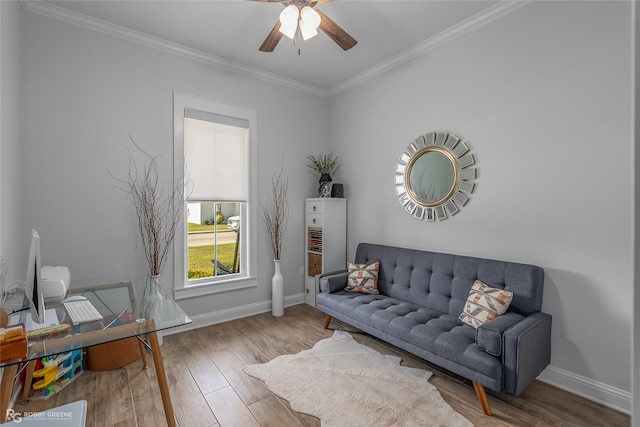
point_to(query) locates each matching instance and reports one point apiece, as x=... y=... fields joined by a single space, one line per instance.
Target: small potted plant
x=323 y=165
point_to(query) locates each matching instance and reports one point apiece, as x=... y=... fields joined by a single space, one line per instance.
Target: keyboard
x=81 y=311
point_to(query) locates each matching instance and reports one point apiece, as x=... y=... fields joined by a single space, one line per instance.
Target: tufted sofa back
x=442 y=281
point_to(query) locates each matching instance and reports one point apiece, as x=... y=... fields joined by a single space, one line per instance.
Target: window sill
x=192 y=291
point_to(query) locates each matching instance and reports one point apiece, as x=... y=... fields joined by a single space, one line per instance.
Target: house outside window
x=214 y=147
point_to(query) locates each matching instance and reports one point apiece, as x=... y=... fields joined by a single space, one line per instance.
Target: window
x=214 y=146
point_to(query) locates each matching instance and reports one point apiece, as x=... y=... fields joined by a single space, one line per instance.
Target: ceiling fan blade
x=270 y=43
x=337 y=34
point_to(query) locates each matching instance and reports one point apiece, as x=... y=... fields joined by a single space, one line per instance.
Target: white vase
x=277 y=291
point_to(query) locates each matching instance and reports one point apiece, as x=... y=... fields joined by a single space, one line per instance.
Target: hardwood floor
x=209 y=388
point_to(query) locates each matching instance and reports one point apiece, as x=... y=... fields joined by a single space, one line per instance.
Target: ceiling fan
x=299 y=18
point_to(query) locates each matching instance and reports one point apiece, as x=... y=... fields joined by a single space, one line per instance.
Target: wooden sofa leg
x=482 y=396
x=327 y=320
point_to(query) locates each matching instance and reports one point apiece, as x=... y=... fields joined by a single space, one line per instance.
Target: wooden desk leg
x=6 y=387
x=162 y=379
x=26 y=391
x=143 y=353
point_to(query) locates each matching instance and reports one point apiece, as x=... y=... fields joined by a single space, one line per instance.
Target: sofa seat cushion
x=439 y=333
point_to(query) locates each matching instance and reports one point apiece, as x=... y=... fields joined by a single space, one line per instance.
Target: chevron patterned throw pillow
x=363 y=278
x=484 y=304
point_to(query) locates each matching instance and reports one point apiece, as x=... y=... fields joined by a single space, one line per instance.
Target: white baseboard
x=208 y=319
x=601 y=393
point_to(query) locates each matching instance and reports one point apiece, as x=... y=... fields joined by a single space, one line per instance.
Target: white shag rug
x=345 y=383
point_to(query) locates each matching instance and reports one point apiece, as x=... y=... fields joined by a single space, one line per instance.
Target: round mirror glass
x=432 y=176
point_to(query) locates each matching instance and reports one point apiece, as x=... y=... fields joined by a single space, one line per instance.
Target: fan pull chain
x=297 y=36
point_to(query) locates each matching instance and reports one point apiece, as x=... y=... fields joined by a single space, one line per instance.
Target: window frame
x=184 y=288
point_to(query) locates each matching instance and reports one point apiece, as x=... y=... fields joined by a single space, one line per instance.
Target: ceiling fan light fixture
x=307 y=31
x=309 y=22
x=289 y=20
x=300 y=20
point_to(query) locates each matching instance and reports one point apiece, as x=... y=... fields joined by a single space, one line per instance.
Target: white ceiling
x=232 y=30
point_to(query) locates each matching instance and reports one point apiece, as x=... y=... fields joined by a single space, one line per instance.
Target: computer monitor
x=33 y=296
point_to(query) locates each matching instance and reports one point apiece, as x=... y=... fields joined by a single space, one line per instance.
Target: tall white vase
x=277 y=291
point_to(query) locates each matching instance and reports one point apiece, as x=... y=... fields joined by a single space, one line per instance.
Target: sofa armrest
x=526 y=351
x=332 y=282
x=489 y=335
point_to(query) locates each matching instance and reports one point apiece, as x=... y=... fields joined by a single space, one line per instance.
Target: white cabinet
x=326 y=241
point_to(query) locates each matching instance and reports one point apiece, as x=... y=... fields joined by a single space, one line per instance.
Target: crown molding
x=482 y=18
x=70 y=17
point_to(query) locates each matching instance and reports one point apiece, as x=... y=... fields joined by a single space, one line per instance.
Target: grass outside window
x=194 y=228
x=200 y=257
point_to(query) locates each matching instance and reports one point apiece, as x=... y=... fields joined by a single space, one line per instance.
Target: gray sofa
x=421 y=296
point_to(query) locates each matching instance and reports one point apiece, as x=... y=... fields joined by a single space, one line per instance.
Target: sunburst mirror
x=433 y=178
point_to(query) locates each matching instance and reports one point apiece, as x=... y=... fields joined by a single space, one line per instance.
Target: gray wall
x=84 y=93
x=12 y=244
x=543 y=97
x=635 y=353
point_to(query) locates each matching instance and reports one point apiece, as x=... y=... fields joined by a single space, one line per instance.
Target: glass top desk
x=127 y=312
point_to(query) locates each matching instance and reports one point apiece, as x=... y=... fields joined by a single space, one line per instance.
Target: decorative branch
x=275 y=213
x=158 y=215
x=4 y=269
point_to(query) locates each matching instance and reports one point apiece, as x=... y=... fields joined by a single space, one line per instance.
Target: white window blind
x=216 y=157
